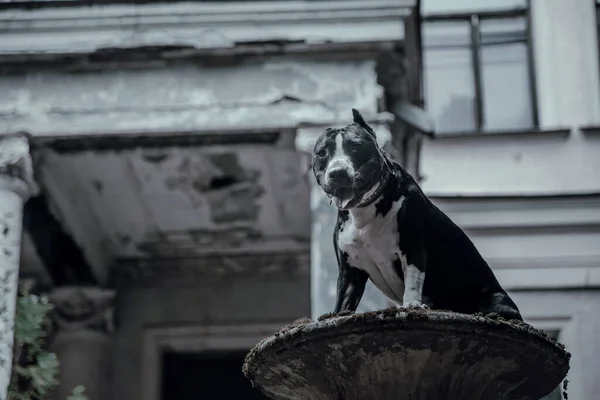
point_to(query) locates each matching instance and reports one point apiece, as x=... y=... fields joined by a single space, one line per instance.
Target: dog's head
x=347 y=162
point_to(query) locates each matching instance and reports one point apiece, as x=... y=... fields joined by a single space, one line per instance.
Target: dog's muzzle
x=339 y=178
x=340 y=186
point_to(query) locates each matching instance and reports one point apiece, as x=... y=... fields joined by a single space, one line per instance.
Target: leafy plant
x=78 y=394
x=35 y=369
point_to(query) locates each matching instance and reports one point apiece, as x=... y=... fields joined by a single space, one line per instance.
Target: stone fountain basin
x=407 y=354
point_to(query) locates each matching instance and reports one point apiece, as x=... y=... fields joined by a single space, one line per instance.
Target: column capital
x=16 y=166
x=83 y=309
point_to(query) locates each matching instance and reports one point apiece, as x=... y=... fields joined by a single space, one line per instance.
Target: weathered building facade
x=514 y=87
x=163 y=178
x=165 y=146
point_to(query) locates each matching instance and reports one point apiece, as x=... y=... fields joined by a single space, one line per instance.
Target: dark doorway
x=206 y=376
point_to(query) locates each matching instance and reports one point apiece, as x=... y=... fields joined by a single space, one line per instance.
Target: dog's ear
x=358 y=119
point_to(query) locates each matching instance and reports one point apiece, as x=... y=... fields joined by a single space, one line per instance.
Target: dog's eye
x=322 y=153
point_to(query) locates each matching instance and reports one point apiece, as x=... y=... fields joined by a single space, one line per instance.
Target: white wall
x=568 y=92
x=539 y=246
x=575 y=314
x=530 y=164
x=534 y=243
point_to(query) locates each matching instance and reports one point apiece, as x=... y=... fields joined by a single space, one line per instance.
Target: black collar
x=383 y=181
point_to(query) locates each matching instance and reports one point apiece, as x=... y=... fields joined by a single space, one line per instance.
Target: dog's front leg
x=414 y=279
x=412 y=251
x=350 y=287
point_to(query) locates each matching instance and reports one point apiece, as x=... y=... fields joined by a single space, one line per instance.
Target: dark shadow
x=207 y=376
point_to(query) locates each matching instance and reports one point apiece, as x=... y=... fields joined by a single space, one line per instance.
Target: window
x=478 y=66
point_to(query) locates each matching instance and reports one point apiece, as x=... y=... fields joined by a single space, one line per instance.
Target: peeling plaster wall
x=174 y=202
x=282 y=92
x=128 y=206
x=188 y=97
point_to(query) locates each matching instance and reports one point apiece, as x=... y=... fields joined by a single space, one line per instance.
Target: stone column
x=323 y=264
x=16 y=185
x=83 y=318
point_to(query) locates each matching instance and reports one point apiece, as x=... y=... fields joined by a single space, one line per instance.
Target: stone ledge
x=517 y=134
x=199 y=25
x=431 y=354
x=191 y=270
x=16 y=168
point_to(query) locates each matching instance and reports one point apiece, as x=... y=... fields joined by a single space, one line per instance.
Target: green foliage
x=78 y=394
x=35 y=370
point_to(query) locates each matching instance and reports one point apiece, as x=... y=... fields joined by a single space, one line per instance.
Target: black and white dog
x=389 y=231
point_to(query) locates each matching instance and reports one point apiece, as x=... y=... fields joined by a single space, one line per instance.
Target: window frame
x=474 y=19
x=196 y=339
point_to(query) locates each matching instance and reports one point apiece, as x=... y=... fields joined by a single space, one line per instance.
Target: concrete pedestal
x=407 y=354
x=83 y=342
x=85 y=359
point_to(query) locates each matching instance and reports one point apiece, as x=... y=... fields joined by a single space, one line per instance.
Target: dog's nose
x=339 y=176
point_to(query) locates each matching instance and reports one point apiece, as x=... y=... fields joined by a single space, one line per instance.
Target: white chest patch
x=371 y=242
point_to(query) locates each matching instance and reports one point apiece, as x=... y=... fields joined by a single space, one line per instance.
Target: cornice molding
x=111 y=141
x=191 y=270
x=523 y=213
x=556 y=262
x=150 y=124
x=565 y=278
x=590 y=130
x=524 y=134
x=16 y=166
x=199 y=24
x=83 y=308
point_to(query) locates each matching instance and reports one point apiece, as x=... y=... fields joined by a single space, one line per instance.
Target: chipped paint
x=158 y=201
x=235 y=203
x=230 y=191
x=188 y=98
x=155 y=156
x=195 y=200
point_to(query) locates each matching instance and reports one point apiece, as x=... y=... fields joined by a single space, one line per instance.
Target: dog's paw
x=416 y=305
